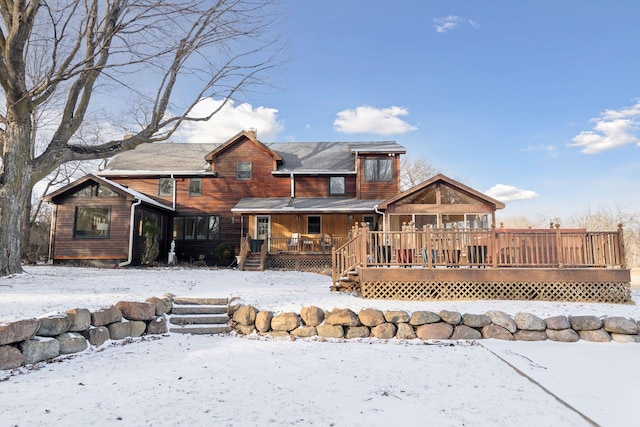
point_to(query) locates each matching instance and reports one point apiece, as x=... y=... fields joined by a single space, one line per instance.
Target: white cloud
x=229 y=121
x=365 y=119
x=549 y=149
x=505 y=193
x=451 y=22
x=613 y=129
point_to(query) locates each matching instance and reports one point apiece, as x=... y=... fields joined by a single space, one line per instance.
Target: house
x=331 y=205
x=298 y=198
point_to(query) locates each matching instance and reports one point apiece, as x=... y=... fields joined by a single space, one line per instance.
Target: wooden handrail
x=244 y=250
x=493 y=248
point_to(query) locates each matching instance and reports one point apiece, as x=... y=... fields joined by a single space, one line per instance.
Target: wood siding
x=318 y=186
x=115 y=247
x=378 y=189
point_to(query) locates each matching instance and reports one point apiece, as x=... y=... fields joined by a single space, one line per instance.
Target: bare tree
x=157 y=57
x=415 y=171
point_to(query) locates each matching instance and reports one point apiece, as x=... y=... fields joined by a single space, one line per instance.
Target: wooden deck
x=532 y=264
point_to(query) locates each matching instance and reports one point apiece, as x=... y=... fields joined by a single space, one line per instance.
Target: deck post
x=494 y=245
x=623 y=259
x=559 y=247
x=428 y=247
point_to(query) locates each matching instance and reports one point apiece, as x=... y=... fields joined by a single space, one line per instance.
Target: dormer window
x=337 y=186
x=244 y=170
x=378 y=170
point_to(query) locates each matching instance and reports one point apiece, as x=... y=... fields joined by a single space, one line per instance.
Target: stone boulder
x=304 y=332
x=419 y=318
x=371 y=317
x=245 y=315
x=476 y=320
x=563 y=335
x=385 y=331
x=530 y=335
x=620 y=325
x=244 y=329
x=529 y=322
x=597 y=335
x=137 y=328
x=502 y=319
x=17 y=331
x=105 y=316
x=405 y=332
x=330 y=331
x=53 y=324
x=80 y=319
x=585 y=323
x=119 y=330
x=625 y=338
x=463 y=332
x=71 y=342
x=263 y=321
x=451 y=317
x=557 y=323
x=434 y=331
x=162 y=305
x=97 y=335
x=396 y=316
x=157 y=326
x=341 y=317
x=285 y=322
x=133 y=310
x=497 y=332
x=312 y=316
x=10 y=357
x=357 y=332
x=39 y=349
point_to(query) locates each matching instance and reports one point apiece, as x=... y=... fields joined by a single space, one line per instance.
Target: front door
x=263 y=227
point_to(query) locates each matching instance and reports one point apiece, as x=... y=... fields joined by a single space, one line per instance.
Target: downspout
x=131 y=232
x=384 y=220
x=175 y=192
x=52 y=226
x=293 y=186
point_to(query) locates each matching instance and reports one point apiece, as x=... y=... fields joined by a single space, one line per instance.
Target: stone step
x=199 y=309
x=199 y=320
x=201 y=330
x=200 y=301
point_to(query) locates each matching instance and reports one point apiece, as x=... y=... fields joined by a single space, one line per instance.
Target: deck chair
x=294 y=243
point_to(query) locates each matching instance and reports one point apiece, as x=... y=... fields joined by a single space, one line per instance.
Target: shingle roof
x=301 y=204
x=298 y=157
x=161 y=158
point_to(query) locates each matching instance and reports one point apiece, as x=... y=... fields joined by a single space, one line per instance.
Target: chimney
x=253 y=133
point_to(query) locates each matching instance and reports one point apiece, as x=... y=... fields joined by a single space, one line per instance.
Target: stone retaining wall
x=427 y=325
x=34 y=340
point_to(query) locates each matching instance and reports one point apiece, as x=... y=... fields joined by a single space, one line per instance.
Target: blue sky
x=536 y=103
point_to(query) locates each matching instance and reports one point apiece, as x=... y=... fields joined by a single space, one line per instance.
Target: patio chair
x=294 y=243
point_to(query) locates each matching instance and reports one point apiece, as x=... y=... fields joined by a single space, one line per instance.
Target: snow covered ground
x=227 y=380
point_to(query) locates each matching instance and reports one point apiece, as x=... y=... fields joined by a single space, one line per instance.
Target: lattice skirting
x=299 y=263
x=574 y=292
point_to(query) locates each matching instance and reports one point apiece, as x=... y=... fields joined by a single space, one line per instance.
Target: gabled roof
x=251 y=136
x=120 y=189
x=164 y=159
x=303 y=204
x=442 y=178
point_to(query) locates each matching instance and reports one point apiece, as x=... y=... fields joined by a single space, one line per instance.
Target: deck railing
x=305 y=244
x=488 y=248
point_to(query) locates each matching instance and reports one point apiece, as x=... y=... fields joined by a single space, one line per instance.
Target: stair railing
x=244 y=250
x=264 y=251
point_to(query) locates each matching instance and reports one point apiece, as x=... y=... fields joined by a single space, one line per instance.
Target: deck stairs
x=350 y=282
x=253 y=262
x=202 y=316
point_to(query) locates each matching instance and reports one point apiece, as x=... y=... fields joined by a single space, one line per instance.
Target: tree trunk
x=14 y=192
